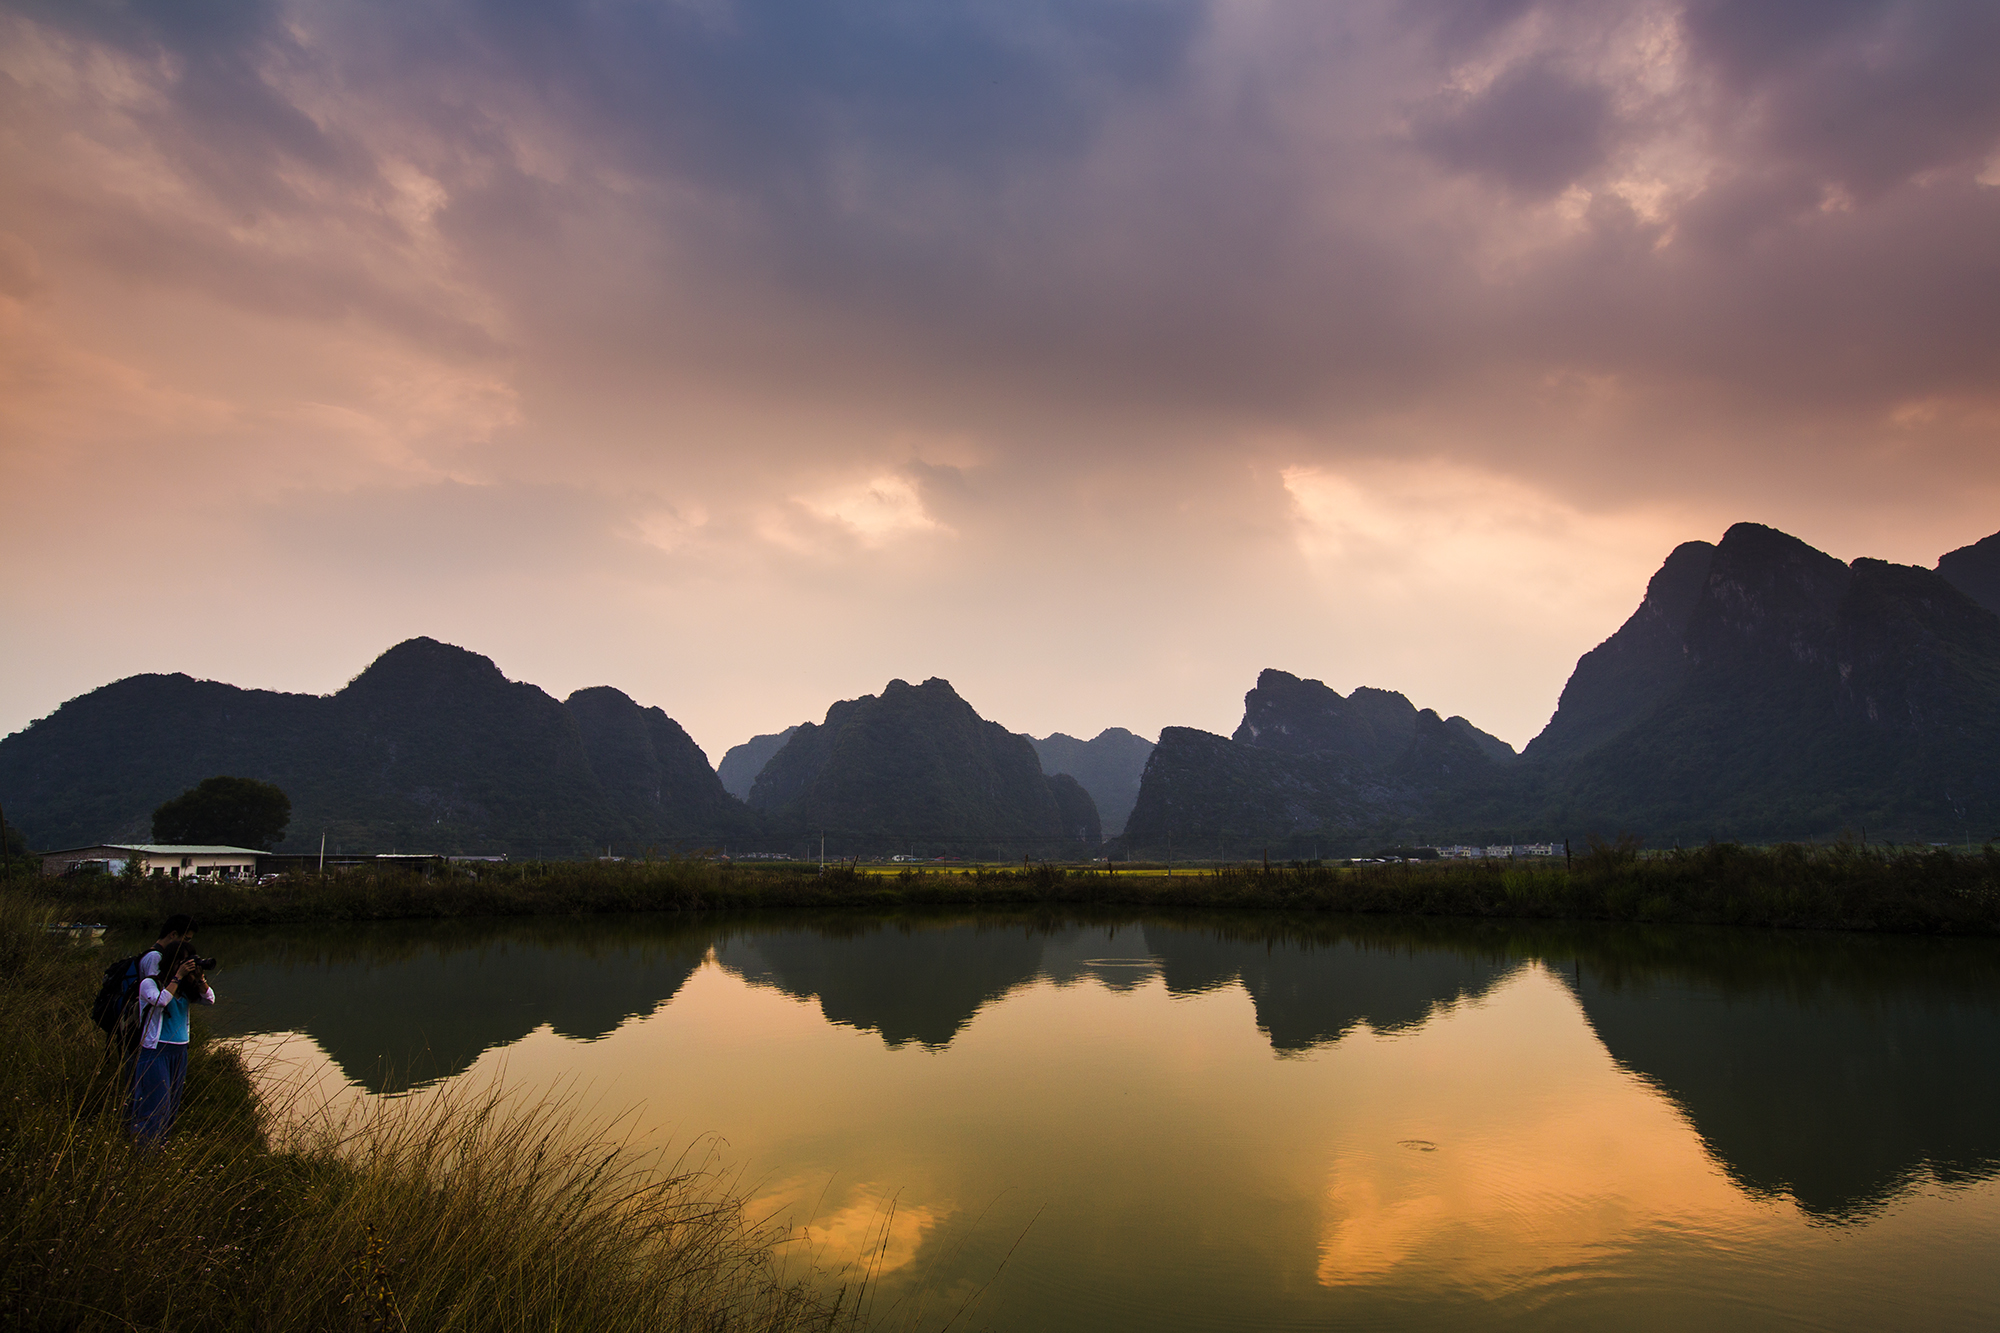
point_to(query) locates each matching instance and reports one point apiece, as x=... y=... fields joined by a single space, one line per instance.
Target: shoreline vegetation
x=1841 y=886
x=467 y=1214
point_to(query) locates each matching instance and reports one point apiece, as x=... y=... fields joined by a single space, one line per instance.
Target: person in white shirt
x=159 y=1077
x=177 y=929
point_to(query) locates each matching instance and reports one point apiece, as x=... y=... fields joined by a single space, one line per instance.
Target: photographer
x=160 y=1076
x=177 y=929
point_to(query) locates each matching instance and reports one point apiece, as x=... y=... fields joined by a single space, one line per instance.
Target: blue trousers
x=158 y=1080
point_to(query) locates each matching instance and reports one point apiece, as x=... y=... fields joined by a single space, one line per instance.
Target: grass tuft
x=439 y=1214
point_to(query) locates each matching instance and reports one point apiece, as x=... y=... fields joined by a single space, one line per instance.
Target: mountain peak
x=1762 y=569
x=1673 y=591
x=917 y=765
x=1284 y=712
x=427 y=661
x=1110 y=766
x=1975 y=571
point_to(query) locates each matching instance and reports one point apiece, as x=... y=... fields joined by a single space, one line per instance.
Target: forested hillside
x=1761 y=690
x=429 y=749
x=917 y=770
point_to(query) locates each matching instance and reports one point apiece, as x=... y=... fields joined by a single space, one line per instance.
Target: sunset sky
x=1093 y=355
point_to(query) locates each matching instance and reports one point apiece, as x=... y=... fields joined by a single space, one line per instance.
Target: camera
x=205 y=964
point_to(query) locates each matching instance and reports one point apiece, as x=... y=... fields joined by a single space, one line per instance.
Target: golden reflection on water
x=1499 y=1148
x=864 y=1227
x=1149 y=1160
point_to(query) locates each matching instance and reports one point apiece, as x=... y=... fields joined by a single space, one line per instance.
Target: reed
x=444 y=1213
x=1842 y=885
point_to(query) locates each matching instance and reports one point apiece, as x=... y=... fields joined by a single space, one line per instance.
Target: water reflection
x=917 y=980
x=406 y=1004
x=1835 y=1071
x=1311 y=988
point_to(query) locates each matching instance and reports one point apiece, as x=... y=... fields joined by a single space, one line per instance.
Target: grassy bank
x=457 y=1216
x=1843 y=886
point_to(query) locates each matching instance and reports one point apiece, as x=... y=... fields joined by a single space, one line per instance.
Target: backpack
x=116 y=1003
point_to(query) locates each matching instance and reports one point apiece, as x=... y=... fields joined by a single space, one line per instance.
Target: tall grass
x=475 y=1215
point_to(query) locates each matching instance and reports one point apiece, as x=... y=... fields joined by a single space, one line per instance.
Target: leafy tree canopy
x=234 y=812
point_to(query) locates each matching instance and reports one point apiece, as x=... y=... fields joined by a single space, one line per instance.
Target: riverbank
x=1837 y=887
x=459 y=1216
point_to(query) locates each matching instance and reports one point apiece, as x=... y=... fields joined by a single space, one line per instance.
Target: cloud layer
x=1093 y=355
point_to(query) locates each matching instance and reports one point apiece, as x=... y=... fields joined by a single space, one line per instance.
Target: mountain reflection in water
x=1836 y=1071
x=1833 y=1070
x=404 y=1004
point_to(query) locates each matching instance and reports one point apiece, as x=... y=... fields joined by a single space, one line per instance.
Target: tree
x=14 y=853
x=233 y=812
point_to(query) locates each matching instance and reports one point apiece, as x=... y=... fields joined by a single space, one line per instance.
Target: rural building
x=171 y=860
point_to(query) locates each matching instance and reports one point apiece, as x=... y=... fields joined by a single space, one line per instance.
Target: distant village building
x=167 y=860
x=1502 y=853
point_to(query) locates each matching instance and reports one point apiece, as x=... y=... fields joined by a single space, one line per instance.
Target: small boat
x=79 y=932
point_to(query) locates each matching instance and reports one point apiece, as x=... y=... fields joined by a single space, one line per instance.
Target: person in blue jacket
x=159 y=1078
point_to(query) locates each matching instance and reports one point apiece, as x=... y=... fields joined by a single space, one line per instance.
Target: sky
x=1092 y=355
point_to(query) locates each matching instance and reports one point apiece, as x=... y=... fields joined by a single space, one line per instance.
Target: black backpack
x=116 y=1004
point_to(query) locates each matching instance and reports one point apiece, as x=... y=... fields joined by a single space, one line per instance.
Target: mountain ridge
x=429 y=748
x=1762 y=689
x=918 y=765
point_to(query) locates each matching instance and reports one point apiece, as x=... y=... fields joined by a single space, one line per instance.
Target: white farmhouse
x=168 y=860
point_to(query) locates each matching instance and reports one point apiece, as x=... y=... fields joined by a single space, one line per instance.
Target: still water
x=1237 y=1122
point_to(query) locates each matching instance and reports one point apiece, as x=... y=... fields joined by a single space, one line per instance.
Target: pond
x=1234 y=1121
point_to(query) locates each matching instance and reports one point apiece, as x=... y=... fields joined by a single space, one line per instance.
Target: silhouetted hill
x=429 y=749
x=1762 y=690
x=432 y=745
x=1620 y=680
x=917 y=768
x=656 y=781
x=1108 y=765
x=1975 y=571
x=741 y=765
x=1311 y=771
x=98 y=766
x=1809 y=696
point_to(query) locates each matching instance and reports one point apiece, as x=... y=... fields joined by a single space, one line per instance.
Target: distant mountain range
x=741 y=765
x=429 y=749
x=1109 y=765
x=433 y=749
x=1761 y=690
x=1308 y=771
